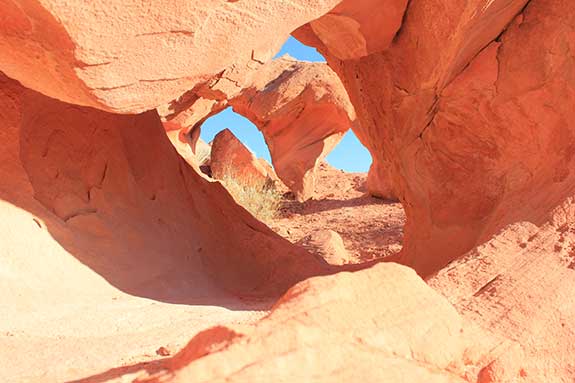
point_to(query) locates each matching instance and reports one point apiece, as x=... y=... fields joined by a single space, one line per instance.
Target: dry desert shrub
x=259 y=197
x=203 y=153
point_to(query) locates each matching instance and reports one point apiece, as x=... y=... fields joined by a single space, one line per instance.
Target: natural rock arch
x=301 y=108
x=467 y=106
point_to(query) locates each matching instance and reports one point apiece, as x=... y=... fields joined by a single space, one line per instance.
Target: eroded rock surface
x=106 y=230
x=335 y=328
x=519 y=285
x=230 y=158
x=129 y=56
x=301 y=108
x=470 y=110
x=473 y=129
x=327 y=244
x=466 y=107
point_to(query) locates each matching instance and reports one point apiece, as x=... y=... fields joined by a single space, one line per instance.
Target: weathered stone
x=301 y=108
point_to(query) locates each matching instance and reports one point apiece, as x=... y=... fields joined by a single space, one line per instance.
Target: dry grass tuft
x=260 y=198
x=203 y=153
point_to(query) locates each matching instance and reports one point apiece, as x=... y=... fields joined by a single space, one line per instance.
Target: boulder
x=230 y=158
x=327 y=244
x=334 y=329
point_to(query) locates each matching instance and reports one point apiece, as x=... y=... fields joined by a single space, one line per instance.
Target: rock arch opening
x=466 y=107
x=340 y=222
x=241 y=127
x=272 y=145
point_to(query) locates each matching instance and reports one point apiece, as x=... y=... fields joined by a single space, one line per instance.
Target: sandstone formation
x=474 y=127
x=229 y=157
x=334 y=328
x=329 y=245
x=109 y=236
x=520 y=285
x=194 y=153
x=301 y=108
x=379 y=181
x=303 y=111
x=470 y=111
x=129 y=56
x=101 y=216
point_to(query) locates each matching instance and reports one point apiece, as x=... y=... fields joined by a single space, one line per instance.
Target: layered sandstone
x=303 y=110
x=519 y=285
x=469 y=111
x=467 y=108
x=473 y=129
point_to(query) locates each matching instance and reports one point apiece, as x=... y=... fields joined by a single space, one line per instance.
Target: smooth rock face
x=229 y=157
x=100 y=218
x=379 y=181
x=129 y=56
x=355 y=28
x=109 y=170
x=301 y=108
x=520 y=285
x=335 y=328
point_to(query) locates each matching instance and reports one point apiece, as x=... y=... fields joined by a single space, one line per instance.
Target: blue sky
x=350 y=155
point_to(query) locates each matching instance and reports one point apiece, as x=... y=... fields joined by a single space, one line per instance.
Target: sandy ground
x=371 y=228
x=101 y=325
x=80 y=343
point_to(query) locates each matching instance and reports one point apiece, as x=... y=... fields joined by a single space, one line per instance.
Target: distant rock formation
x=229 y=157
x=301 y=108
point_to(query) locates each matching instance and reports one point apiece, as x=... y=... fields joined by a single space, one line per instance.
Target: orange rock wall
x=470 y=111
x=108 y=184
x=468 y=108
x=129 y=56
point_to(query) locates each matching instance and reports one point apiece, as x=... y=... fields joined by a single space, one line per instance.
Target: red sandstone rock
x=379 y=182
x=301 y=108
x=110 y=241
x=128 y=56
x=519 y=287
x=470 y=110
x=355 y=28
x=303 y=111
x=329 y=245
x=230 y=158
x=335 y=329
x=467 y=107
x=473 y=130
